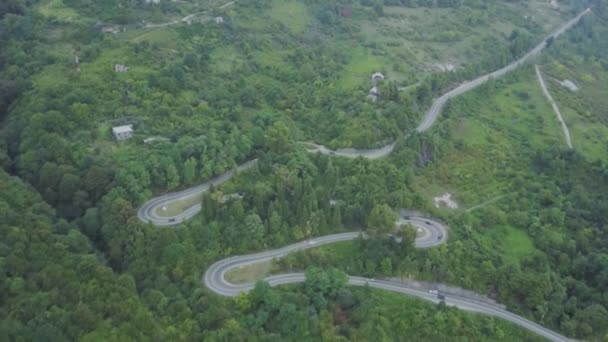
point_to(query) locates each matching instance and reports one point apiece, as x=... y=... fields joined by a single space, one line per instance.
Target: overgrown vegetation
x=76 y=263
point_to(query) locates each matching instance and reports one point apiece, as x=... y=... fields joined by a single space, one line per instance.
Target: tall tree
x=189 y=171
x=381 y=220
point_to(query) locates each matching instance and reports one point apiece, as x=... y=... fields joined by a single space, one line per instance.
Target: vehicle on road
x=440 y=236
x=435 y=292
x=172 y=219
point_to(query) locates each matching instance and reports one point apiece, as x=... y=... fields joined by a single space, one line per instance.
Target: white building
x=110 y=29
x=570 y=85
x=377 y=77
x=120 y=68
x=219 y=20
x=123 y=132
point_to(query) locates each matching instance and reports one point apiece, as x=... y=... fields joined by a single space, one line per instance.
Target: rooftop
x=377 y=77
x=122 y=129
x=120 y=68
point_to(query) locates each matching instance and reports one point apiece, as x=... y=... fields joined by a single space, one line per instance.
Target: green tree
x=381 y=220
x=254 y=229
x=189 y=171
x=324 y=282
x=387 y=266
x=379 y=7
x=173 y=180
x=407 y=234
x=277 y=137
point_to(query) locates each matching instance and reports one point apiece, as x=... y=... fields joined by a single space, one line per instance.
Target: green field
x=423 y=39
x=513 y=244
x=248 y=274
x=584 y=111
x=361 y=67
x=178 y=207
x=165 y=37
x=488 y=142
x=224 y=58
x=58 y=11
x=293 y=14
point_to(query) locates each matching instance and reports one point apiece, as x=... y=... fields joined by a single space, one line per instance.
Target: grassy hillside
x=267 y=75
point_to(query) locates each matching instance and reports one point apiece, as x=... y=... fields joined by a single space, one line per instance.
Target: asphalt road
x=436 y=108
x=148 y=212
x=434 y=234
x=371 y=154
x=435 y=111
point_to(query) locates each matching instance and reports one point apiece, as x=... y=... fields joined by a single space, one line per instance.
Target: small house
x=122 y=132
x=569 y=85
x=120 y=68
x=377 y=77
x=110 y=29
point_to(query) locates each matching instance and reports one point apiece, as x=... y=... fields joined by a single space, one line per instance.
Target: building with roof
x=569 y=85
x=122 y=132
x=120 y=68
x=377 y=77
x=110 y=29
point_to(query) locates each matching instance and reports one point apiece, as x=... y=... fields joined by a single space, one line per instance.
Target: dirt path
x=185 y=19
x=555 y=107
x=483 y=204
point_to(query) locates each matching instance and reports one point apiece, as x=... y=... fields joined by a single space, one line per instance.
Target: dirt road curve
x=555 y=107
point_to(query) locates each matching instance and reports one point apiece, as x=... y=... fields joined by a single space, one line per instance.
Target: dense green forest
x=57 y=286
x=77 y=264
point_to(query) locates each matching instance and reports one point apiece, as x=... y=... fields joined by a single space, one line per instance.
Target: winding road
x=431 y=232
x=352 y=152
x=433 y=113
x=148 y=212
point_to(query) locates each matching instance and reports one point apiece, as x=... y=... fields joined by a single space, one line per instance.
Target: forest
x=77 y=264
